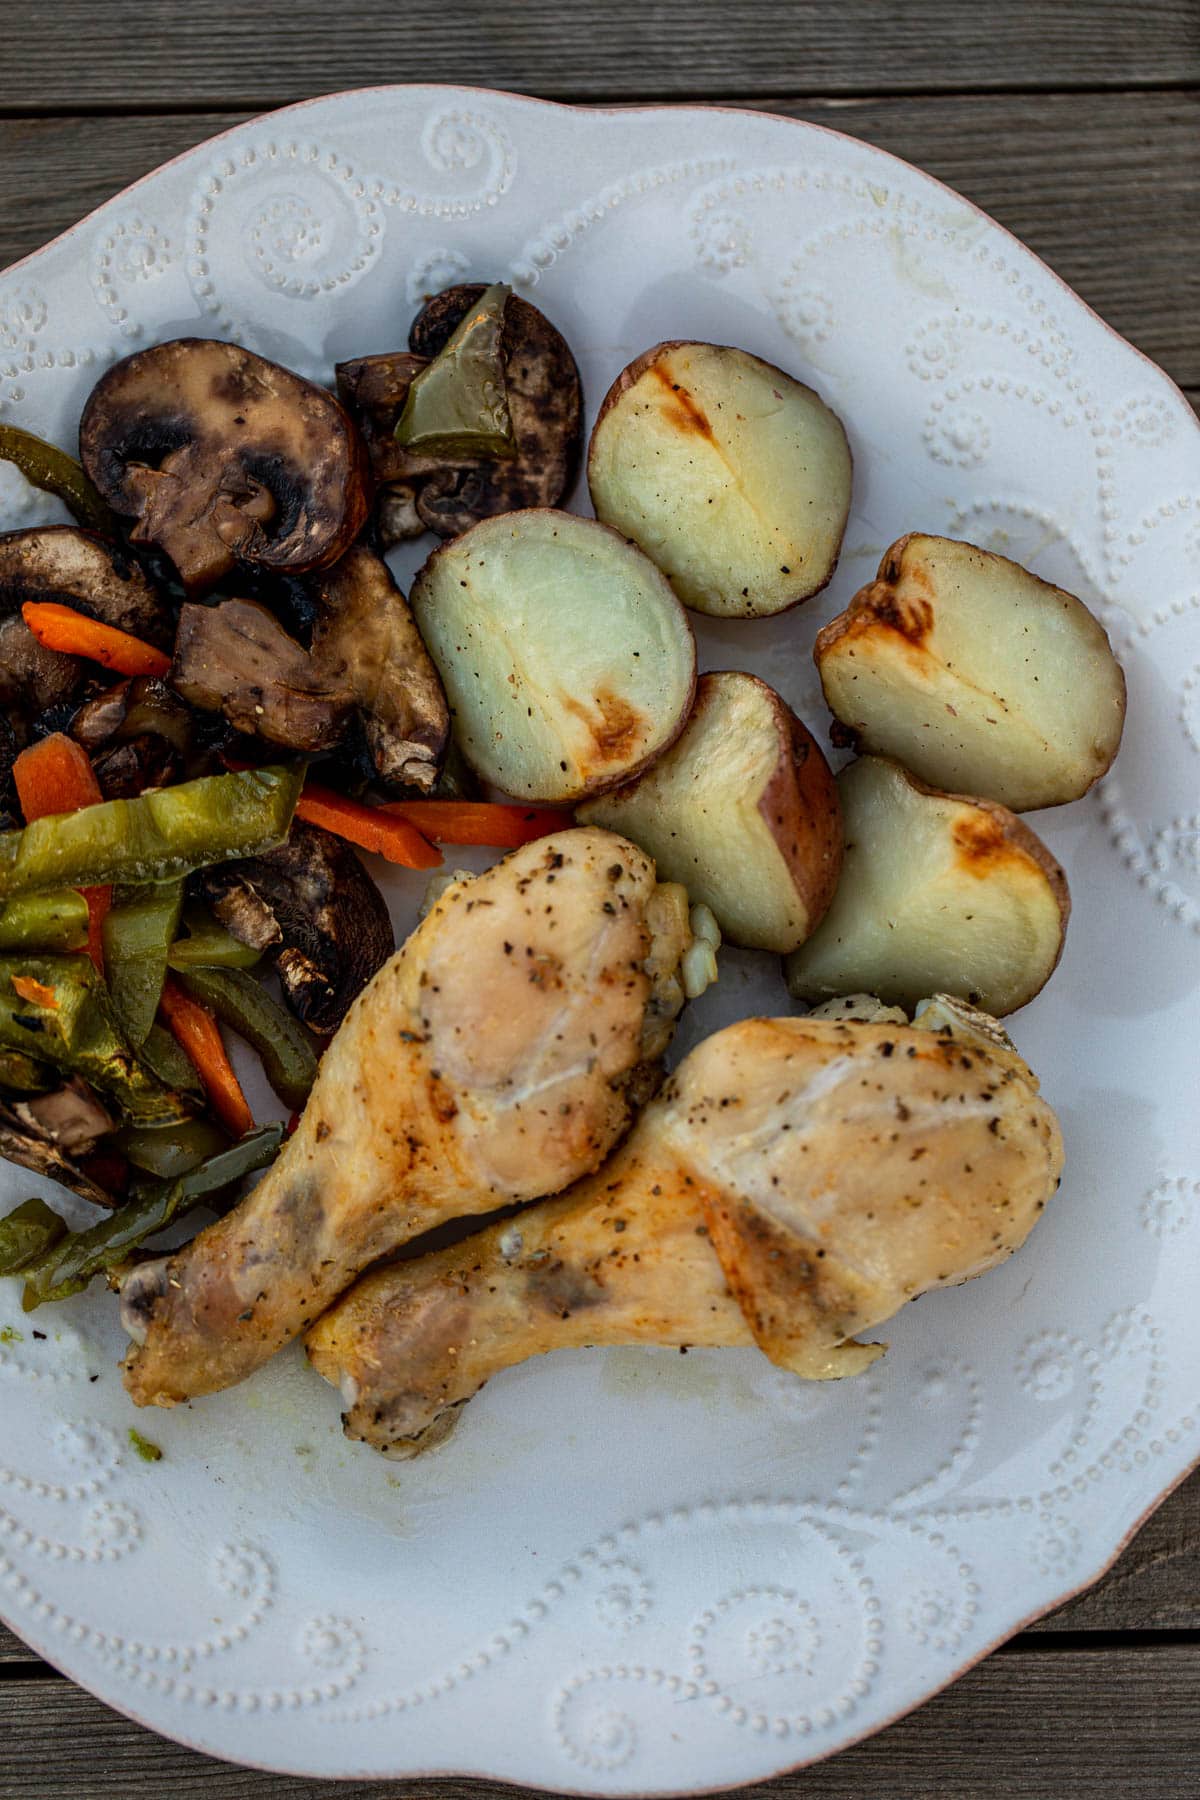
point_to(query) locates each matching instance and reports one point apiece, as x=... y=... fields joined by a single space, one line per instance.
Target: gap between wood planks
x=760 y=101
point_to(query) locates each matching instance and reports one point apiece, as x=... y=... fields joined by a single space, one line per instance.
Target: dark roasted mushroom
x=445 y=494
x=62 y=563
x=29 y=1150
x=139 y=735
x=367 y=644
x=236 y=659
x=70 y=1117
x=224 y=458
x=314 y=910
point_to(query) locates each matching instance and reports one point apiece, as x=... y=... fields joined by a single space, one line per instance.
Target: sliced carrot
x=370 y=827
x=503 y=826
x=37 y=991
x=62 y=628
x=55 y=776
x=197 y=1033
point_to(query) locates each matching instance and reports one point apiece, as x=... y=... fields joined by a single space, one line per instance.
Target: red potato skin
x=801 y=809
x=634 y=371
x=875 y=605
x=599 y=784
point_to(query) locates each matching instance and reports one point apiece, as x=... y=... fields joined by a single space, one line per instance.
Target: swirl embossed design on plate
x=631 y=1571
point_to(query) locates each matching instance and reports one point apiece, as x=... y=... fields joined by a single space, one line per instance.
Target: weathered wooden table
x=1075 y=124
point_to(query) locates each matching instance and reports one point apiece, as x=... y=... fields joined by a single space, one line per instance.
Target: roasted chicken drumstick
x=795 y=1183
x=497 y=1057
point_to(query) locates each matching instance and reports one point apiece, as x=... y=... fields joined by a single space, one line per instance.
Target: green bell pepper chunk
x=138 y=931
x=458 y=404
x=158 y=837
x=47 y=467
x=172 y=1064
x=241 y=1002
x=79 y=1034
x=66 y=1269
x=28 y=1233
x=208 y=945
x=169 y=1151
x=57 y=921
x=21 y=1074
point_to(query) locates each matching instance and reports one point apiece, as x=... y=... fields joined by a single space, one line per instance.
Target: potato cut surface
x=939 y=894
x=743 y=810
x=567 y=660
x=733 y=476
x=976 y=675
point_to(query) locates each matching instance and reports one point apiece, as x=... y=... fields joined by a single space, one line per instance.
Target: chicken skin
x=497 y=1057
x=796 y=1182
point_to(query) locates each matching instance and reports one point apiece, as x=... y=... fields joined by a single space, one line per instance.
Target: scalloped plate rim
x=440 y=91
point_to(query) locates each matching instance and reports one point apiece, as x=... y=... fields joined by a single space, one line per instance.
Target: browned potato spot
x=567 y=661
x=732 y=475
x=975 y=674
x=743 y=810
x=939 y=894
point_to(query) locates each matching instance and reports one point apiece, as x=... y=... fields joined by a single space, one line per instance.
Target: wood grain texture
x=211 y=53
x=1103 y=189
x=998 y=1731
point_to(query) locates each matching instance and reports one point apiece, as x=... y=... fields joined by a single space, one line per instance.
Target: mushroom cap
x=446 y=494
x=64 y=564
x=225 y=458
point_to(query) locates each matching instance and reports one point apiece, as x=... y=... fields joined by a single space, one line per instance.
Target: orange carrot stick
x=55 y=776
x=197 y=1033
x=62 y=628
x=370 y=827
x=503 y=826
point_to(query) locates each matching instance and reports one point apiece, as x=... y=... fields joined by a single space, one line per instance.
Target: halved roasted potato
x=743 y=810
x=732 y=475
x=975 y=674
x=939 y=893
x=567 y=660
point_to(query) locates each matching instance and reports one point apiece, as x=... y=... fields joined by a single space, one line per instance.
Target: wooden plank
x=209 y=53
x=1064 y=1727
x=1103 y=191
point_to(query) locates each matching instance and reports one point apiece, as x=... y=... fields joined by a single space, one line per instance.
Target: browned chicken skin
x=497 y=1057
x=795 y=1183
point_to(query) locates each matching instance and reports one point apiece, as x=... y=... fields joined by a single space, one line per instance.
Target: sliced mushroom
x=367 y=643
x=18 y=1144
x=64 y=564
x=312 y=907
x=71 y=1117
x=224 y=458
x=447 y=495
x=236 y=659
x=138 y=734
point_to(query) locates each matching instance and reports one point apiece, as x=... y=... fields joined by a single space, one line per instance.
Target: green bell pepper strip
x=169 y=1151
x=27 y=1234
x=67 y=1268
x=139 y=929
x=171 y=1063
x=47 y=467
x=79 y=1034
x=458 y=404
x=158 y=837
x=21 y=1074
x=208 y=945
x=57 y=921
x=241 y=1002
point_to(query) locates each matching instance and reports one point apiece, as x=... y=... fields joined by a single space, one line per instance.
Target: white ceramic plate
x=631 y=1571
